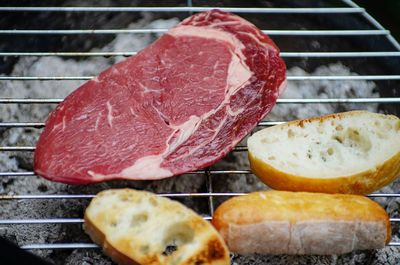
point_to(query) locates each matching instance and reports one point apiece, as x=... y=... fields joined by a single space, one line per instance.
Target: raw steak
x=179 y=105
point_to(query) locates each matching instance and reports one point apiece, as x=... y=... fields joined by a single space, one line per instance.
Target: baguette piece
x=136 y=227
x=351 y=152
x=281 y=222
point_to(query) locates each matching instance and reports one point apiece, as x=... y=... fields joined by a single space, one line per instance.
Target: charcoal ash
x=83 y=257
x=323 y=89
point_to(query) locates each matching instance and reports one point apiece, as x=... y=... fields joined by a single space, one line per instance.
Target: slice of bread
x=352 y=152
x=136 y=227
x=281 y=222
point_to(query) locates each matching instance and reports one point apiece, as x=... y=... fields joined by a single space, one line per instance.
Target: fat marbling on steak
x=179 y=105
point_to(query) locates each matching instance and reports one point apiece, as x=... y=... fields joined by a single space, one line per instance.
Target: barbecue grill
x=349 y=36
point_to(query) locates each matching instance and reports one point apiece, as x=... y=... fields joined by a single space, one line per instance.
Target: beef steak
x=179 y=105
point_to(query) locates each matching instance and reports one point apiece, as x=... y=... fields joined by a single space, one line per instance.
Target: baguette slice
x=352 y=152
x=136 y=227
x=281 y=222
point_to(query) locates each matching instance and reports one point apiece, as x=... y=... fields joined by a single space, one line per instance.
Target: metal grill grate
x=351 y=8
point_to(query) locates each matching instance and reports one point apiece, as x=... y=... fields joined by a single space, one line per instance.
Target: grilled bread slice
x=282 y=222
x=136 y=227
x=352 y=152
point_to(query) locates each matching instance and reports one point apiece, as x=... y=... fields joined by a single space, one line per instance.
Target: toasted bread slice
x=136 y=227
x=281 y=222
x=352 y=152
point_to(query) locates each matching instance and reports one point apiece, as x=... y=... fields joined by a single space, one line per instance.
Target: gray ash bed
x=338 y=58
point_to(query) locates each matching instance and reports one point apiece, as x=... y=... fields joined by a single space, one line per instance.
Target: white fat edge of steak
x=110 y=117
x=282 y=87
x=239 y=74
x=145 y=168
x=234 y=20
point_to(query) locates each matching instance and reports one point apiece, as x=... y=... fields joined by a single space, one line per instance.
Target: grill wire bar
x=374 y=22
x=288 y=10
x=81 y=221
x=41 y=124
x=279 y=101
x=171 y=195
x=289 y=78
x=351 y=9
x=94 y=246
x=143 y=31
x=283 y=54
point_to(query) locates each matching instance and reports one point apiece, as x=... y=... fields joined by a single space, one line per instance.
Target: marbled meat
x=179 y=105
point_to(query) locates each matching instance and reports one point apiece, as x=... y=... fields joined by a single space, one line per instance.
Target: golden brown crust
x=263 y=214
x=215 y=250
x=337 y=116
x=115 y=220
x=360 y=183
x=98 y=237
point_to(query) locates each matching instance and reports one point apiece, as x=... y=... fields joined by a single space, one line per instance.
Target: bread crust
x=99 y=238
x=204 y=247
x=361 y=183
x=278 y=222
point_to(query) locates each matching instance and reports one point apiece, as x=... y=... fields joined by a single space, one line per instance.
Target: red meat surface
x=179 y=105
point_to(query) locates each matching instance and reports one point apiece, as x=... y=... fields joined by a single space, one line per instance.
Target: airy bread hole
x=177 y=235
x=354 y=139
x=330 y=151
x=339 y=128
x=338 y=138
x=358 y=140
x=323 y=157
x=290 y=133
x=139 y=219
x=169 y=250
x=124 y=197
x=144 y=249
x=268 y=140
x=325 y=154
x=381 y=135
x=388 y=126
x=113 y=223
x=153 y=201
x=309 y=154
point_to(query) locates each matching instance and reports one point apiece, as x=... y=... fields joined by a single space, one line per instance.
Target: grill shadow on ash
x=74 y=208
